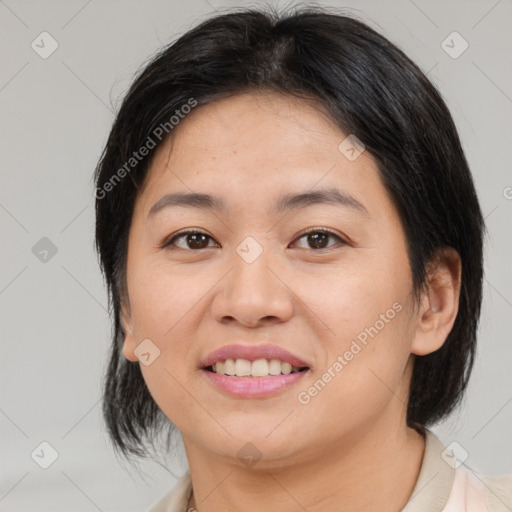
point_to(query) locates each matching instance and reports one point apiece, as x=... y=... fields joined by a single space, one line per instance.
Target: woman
x=293 y=248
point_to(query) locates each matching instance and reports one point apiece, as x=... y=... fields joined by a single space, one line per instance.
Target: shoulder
x=176 y=500
x=447 y=484
x=475 y=492
x=498 y=492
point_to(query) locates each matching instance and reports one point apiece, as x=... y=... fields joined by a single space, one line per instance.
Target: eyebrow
x=283 y=204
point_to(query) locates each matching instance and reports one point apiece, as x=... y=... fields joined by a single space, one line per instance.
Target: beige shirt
x=441 y=487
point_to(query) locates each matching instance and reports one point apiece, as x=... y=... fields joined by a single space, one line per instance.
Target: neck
x=362 y=473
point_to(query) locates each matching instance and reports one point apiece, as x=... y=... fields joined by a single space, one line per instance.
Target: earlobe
x=129 y=339
x=439 y=302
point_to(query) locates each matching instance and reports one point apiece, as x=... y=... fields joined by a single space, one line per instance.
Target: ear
x=439 y=302
x=129 y=344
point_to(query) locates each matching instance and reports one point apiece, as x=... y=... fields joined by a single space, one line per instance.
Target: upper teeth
x=257 y=368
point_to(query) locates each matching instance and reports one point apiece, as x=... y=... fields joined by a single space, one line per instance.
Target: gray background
x=56 y=114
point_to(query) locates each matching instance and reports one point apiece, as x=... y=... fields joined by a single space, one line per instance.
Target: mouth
x=253 y=361
x=249 y=371
x=259 y=368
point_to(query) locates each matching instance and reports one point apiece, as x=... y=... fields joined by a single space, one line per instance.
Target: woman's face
x=340 y=303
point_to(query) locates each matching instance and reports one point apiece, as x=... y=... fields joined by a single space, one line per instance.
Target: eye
x=197 y=240
x=318 y=237
x=193 y=239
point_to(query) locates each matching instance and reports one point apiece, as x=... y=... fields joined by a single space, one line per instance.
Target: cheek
x=363 y=370
x=367 y=344
x=164 y=296
x=356 y=297
x=165 y=305
x=161 y=305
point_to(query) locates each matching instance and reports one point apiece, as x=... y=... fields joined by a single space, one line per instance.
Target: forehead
x=273 y=126
x=258 y=145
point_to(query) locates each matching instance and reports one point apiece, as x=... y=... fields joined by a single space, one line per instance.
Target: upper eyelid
x=171 y=239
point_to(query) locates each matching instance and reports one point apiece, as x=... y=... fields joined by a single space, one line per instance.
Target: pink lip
x=253 y=387
x=251 y=353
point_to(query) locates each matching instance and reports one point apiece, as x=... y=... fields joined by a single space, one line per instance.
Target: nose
x=253 y=294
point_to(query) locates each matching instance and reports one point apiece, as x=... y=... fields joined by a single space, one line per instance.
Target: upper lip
x=251 y=353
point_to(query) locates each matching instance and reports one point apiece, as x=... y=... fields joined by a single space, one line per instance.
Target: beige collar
x=435 y=479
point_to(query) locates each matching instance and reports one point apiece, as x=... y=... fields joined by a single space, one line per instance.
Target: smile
x=259 y=368
x=252 y=371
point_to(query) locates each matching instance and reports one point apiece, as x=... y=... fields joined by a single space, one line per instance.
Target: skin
x=349 y=448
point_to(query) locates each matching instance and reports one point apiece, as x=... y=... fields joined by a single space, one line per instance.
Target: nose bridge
x=252 y=292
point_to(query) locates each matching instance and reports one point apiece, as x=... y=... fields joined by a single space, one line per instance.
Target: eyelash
x=170 y=241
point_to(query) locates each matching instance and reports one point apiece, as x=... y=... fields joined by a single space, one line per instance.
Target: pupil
x=194 y=240
x=314 y=237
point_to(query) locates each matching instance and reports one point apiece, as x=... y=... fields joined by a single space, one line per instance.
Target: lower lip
x=253 y=387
